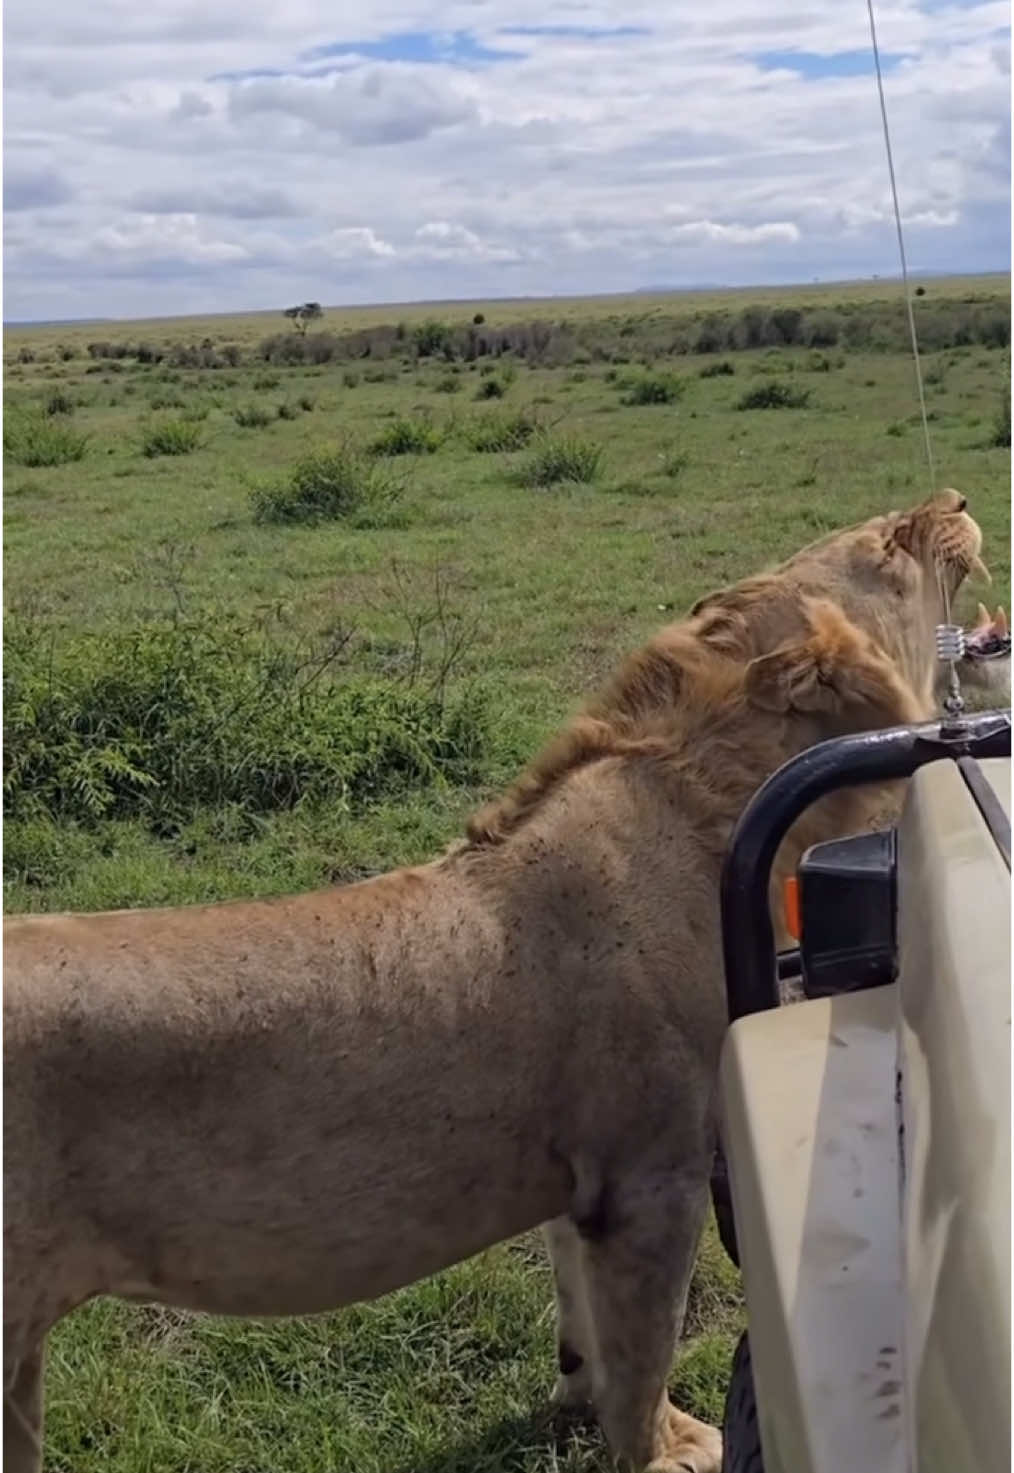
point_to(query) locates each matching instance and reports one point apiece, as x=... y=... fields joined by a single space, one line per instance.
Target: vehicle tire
x=741 y=1448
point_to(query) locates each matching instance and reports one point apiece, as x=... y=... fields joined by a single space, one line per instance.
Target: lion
x=285 y=1106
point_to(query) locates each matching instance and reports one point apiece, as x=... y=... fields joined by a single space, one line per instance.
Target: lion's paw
x=688 y=1446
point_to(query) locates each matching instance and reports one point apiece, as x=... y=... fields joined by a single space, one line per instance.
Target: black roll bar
x=751 y=966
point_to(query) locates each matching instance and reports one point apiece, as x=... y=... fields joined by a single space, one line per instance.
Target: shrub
x=59 y=403
x=305 y=403
x=654 y=389
x=407 y=437
x=170 y=437
x=350 y=379
x=431 y=338
x=32 y=439
x=774 y=395
x=722 y=369
x=287 y=411
x=450 y=383
x=566 y=458
x=330 y=485
x=157 y=723
x=490 y=388
x=492 y=433
x=251 y=416
x=1001 y=425
x=822 y=330
x=479 y=318
x=266 y=381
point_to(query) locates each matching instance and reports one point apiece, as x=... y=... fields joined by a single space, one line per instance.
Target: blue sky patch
x=456 y=48
x=815 y=67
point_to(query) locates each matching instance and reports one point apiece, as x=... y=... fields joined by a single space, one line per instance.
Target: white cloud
x=356 y=242
x=704 y=232
x=149 y=171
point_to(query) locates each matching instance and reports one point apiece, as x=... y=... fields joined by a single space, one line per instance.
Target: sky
x=195 y=156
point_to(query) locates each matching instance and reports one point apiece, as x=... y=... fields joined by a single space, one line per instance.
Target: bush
x=158 y=723
x=171 y=437
x=266 y=381
x=287 y=411
x=330 y=485
x=479 y=318
x=492 y=433
x=722 y=369
x=654 y=389
x=407 y=437
x=431 y=338
x=1001 y=425
x=822 y=330
x=305 y=403
x=32 y=439
x=350 y=379
x=567 y=458
x=251 y=416
x=774 y=395
x=490 y=388
x=449 y=384
x=59 y=403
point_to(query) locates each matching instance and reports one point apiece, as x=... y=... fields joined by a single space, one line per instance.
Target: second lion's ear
x=836 y=668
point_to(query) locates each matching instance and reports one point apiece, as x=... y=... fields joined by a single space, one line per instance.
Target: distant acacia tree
x=304 y=314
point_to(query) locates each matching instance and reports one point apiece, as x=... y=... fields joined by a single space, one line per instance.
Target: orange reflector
x=792 y=917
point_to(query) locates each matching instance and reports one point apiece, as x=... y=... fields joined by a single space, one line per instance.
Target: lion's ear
x=834 y=669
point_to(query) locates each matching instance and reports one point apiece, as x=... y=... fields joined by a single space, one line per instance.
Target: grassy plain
x=465 y=613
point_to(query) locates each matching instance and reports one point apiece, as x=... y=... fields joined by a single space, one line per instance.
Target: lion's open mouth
x=989 y=639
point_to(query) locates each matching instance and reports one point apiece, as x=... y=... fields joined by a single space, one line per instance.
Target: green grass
x=160 y=634
x=170 y=437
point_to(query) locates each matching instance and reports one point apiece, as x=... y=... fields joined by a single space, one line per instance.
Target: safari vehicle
x=863 y=1178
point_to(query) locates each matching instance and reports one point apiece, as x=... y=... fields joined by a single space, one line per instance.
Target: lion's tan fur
x=283 y=1106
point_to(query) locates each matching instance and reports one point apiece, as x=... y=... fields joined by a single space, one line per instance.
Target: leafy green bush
x=563 y=458
x=33 y=439
x=306 y=403
x=662 y=388
x=59 y=403
x=170 y=437
x=331 y=485
x=251 y=416
x=490 y=388
x=722 y=369
x=1001 y=425
x=287 y=411
x=431 y=338
x=157 y=723
x=774 y=395
x=407 y=437
x=491 y=433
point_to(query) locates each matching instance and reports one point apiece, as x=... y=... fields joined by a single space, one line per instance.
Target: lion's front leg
x=639 y=1261
x=575 y=1331
x=23 y=1414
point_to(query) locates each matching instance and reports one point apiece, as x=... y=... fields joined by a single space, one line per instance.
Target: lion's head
x=838 y=638
x=894 y=576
